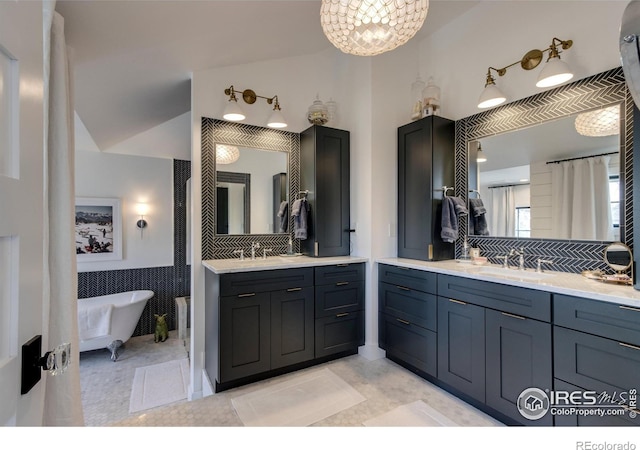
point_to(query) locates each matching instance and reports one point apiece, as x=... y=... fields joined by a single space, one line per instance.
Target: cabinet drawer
x=338 y=298
x=339 y=333
x=410 y=343
x=410 y=278
x=604 y=319
x=264 y=281
x=596 y=363
x=412 y=306
x=521 y=301
x=575 y=420
x=339 y=273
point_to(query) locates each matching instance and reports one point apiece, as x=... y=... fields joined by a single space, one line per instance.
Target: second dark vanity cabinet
x=426 y=154
x=324 y=172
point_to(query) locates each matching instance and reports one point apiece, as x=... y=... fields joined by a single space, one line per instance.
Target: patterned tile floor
x=106 y=388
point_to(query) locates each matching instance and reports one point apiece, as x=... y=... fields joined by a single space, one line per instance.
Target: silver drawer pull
x=342 y=265
x=247 y=295
x=402 y=288
x=342 y=283
x=342 y=314
x=514 y=316
x=294 y=289
x=629 y=308
x=403 y=321
x=457 y=301
x=635 y=347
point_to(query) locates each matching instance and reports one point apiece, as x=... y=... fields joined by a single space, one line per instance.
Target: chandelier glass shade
x=371 y=27
x=226 y=154
x=601 y=122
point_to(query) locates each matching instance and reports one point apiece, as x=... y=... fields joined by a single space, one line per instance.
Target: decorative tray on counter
x=619 y=278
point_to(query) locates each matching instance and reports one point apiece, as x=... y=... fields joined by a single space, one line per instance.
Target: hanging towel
x=478 y=221
x=283 y=213
x=299 y=211
x=449 y=232
x=94 y=320
x=451 y=208
x=477 y=207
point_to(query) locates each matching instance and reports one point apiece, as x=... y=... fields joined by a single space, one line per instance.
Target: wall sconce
x=234 y=113
x=554 y=73
x=142 y=209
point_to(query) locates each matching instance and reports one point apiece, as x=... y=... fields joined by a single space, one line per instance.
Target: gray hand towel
x=299 y=211
x=449 y=231
x=283 y=213
x=477 y=207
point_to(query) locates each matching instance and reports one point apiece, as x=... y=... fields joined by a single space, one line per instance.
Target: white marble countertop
x=555 y=282
x=220 y=266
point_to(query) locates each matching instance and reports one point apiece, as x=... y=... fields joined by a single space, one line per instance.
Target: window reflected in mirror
x=556 y=180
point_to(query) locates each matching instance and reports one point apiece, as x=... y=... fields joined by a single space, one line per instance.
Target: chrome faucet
x=254 y=247
x=520 y=254
x=241 y=252
x=540 y=262
x=264 y=252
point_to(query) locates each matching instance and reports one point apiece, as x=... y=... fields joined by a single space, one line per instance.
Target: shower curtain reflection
x=581 y=200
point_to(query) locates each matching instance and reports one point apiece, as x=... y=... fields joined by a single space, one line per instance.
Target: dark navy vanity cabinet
x=494 y=341
x=407 y=316
x=597 y=348
x=339 y=308
x=267 y=322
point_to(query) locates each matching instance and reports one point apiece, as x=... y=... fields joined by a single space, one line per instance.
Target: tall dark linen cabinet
x=426 y=154
x=324 y=172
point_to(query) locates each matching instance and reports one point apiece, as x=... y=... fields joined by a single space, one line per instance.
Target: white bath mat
x=298 y=402
x=416 y=414
x=159 y=384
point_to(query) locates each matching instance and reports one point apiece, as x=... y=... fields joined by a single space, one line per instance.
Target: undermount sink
x=514 y=273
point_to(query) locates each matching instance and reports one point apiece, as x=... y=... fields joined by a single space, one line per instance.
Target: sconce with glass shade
x=371 y=27
x=233 y=112
x=142 y=209
x=554 y=73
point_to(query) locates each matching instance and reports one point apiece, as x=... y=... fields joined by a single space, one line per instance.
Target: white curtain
x=63 y=405
x=502 y=211
x=580 y=205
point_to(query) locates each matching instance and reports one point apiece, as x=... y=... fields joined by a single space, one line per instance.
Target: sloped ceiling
x=134 y=59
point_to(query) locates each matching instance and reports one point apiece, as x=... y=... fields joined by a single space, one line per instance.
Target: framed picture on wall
x=98 y=229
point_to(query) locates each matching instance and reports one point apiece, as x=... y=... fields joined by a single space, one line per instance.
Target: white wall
x=132 y=179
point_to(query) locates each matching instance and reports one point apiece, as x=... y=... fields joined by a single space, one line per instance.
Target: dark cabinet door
x=409 y=342
x=292 y=334
x=325 y=173
x=339 y=333
x=425 y=164
x=461 y=347
x=245 y=335
x=518 y=357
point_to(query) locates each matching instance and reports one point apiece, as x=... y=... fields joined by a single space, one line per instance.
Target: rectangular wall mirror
x=559 y=179
x=247 y=173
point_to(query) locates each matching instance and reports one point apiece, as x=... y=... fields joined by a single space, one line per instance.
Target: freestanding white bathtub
x=125 y=314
